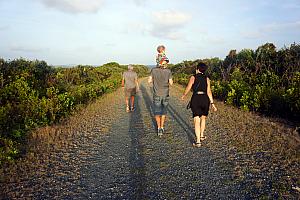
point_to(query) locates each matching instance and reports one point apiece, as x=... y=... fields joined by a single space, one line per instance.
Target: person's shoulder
x=152 y=70
x=155 y=69
x=168 y=70
x=193 y=77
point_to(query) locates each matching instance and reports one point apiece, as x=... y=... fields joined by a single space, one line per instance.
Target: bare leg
x=158 y=120
x=162 y=122
x=127 y=101
x=132 y=101
x=127 y=104
x=197 y=128
x=202 y=126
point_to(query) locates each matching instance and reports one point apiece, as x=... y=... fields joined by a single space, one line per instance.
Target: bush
x=34 y=94
x=263 y=80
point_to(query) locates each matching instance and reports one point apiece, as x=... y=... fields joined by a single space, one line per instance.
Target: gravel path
x=105 y=153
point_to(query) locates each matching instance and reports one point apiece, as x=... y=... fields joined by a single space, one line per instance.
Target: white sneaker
x=159 y=132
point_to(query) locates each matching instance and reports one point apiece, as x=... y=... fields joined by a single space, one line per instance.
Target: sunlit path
x=105 y=153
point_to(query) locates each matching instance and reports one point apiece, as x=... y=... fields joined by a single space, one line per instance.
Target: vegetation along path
x=105 y=153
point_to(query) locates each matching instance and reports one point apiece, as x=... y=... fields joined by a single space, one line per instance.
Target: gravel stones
x=105 y=153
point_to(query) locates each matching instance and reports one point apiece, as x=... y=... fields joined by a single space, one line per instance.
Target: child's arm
x=158 y=58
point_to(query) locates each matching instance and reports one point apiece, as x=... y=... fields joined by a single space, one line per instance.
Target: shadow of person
x=182 y=123
x=148 y=103
x=177 y=117
x=136 y=159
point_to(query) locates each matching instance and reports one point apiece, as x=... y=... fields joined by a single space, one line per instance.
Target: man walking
x=161 y=77
x=130 y=81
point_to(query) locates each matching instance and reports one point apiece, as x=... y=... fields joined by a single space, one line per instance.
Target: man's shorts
x=160 y=105
x=130 y=92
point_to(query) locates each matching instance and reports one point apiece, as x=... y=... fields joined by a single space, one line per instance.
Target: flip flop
x=203 y=138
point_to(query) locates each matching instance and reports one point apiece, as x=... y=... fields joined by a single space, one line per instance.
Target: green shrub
x=263 y=80
x=34 y=94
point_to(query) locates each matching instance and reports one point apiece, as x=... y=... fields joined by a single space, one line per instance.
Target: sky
x=95 y=32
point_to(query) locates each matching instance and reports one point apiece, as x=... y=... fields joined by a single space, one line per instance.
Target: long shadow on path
x=181 y=122
x=177 y=117
x=148 y=102
x=213 y=179
x=136 y=159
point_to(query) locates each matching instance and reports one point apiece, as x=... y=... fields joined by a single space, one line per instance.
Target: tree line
x=264 y=80
x=35 y=94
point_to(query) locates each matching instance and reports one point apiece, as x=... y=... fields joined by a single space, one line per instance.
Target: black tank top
x=201 y=82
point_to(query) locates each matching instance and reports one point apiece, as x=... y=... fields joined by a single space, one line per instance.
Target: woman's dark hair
x=202 y=67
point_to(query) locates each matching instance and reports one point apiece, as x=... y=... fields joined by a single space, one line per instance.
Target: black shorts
x=200 y=105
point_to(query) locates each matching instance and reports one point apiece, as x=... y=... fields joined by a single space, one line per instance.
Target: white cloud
x=136 y=27
x=168 y=24
x=28 y=49
x=271 y=28
x=170 y=18
x=110 y=44
x=74 y=6
x=291 y=5
x=3 y=28
x=140 y=2
x=215 y=40
x=175 y=35
x=281 y=26
x=252 y=34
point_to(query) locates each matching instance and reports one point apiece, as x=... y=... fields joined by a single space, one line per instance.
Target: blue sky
x=128 y=31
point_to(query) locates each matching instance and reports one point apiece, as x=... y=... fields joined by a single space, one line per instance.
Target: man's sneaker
x=159 y=132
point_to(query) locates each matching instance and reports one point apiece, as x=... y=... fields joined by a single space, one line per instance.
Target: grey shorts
x=160 y=105
x=130 y=92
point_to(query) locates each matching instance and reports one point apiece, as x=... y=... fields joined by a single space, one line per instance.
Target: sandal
x=127 y=109
x=132 y=109
x=197 y=144
x=203 y=138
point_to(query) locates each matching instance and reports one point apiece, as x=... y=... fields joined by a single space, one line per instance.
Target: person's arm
x=123 y=82
x=209 y=94
x=137 y=83
x=150 y=80
x=170 y=79
x=188 y=87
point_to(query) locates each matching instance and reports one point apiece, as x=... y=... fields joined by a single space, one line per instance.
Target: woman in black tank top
x=201 y=100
